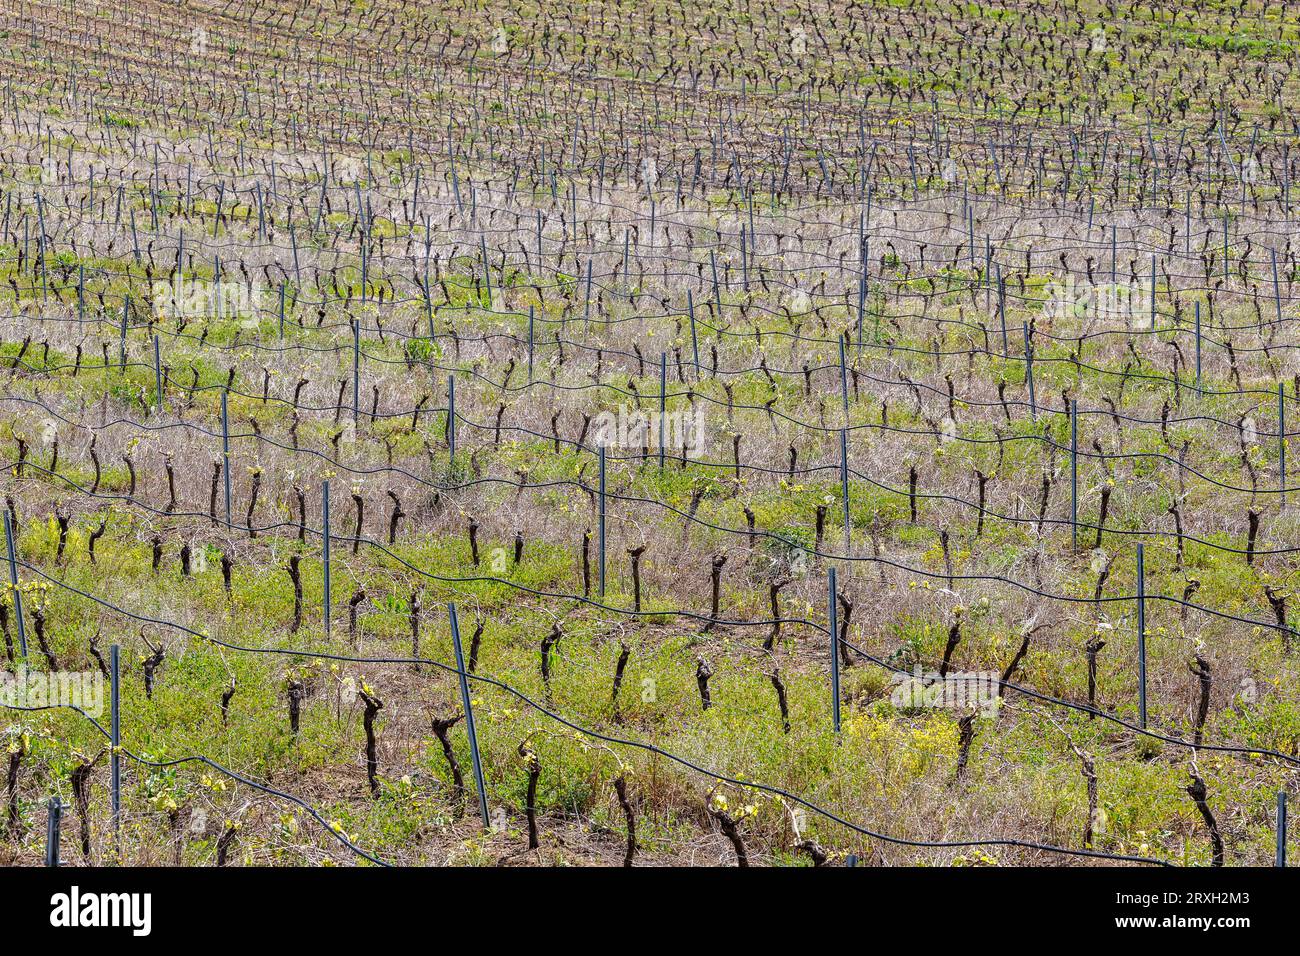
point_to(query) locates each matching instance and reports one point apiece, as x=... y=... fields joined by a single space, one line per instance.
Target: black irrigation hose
x=606 y=738
x=957 y=248
x=889 y=347
x=446 y=203
x=1091 y=712
x=709 y=304
x=339 y=349
x=712 y=526
x=726 y=240
x=691 y=615
x=208 y=762
x=813 y=552
x=810 y=426
x=1000 y=119
x=521 y=343
x=718 y=465
x=901 y=282
x=902 y=291
x=1019 y=210
x=442 y=579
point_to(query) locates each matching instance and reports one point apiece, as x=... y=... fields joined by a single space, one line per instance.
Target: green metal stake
x=468 y=704
x=13 y=582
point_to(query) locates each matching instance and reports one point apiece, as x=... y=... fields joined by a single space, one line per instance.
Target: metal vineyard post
x=468 y=704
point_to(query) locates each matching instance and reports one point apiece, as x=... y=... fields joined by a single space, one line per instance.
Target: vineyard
x=649 y=433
